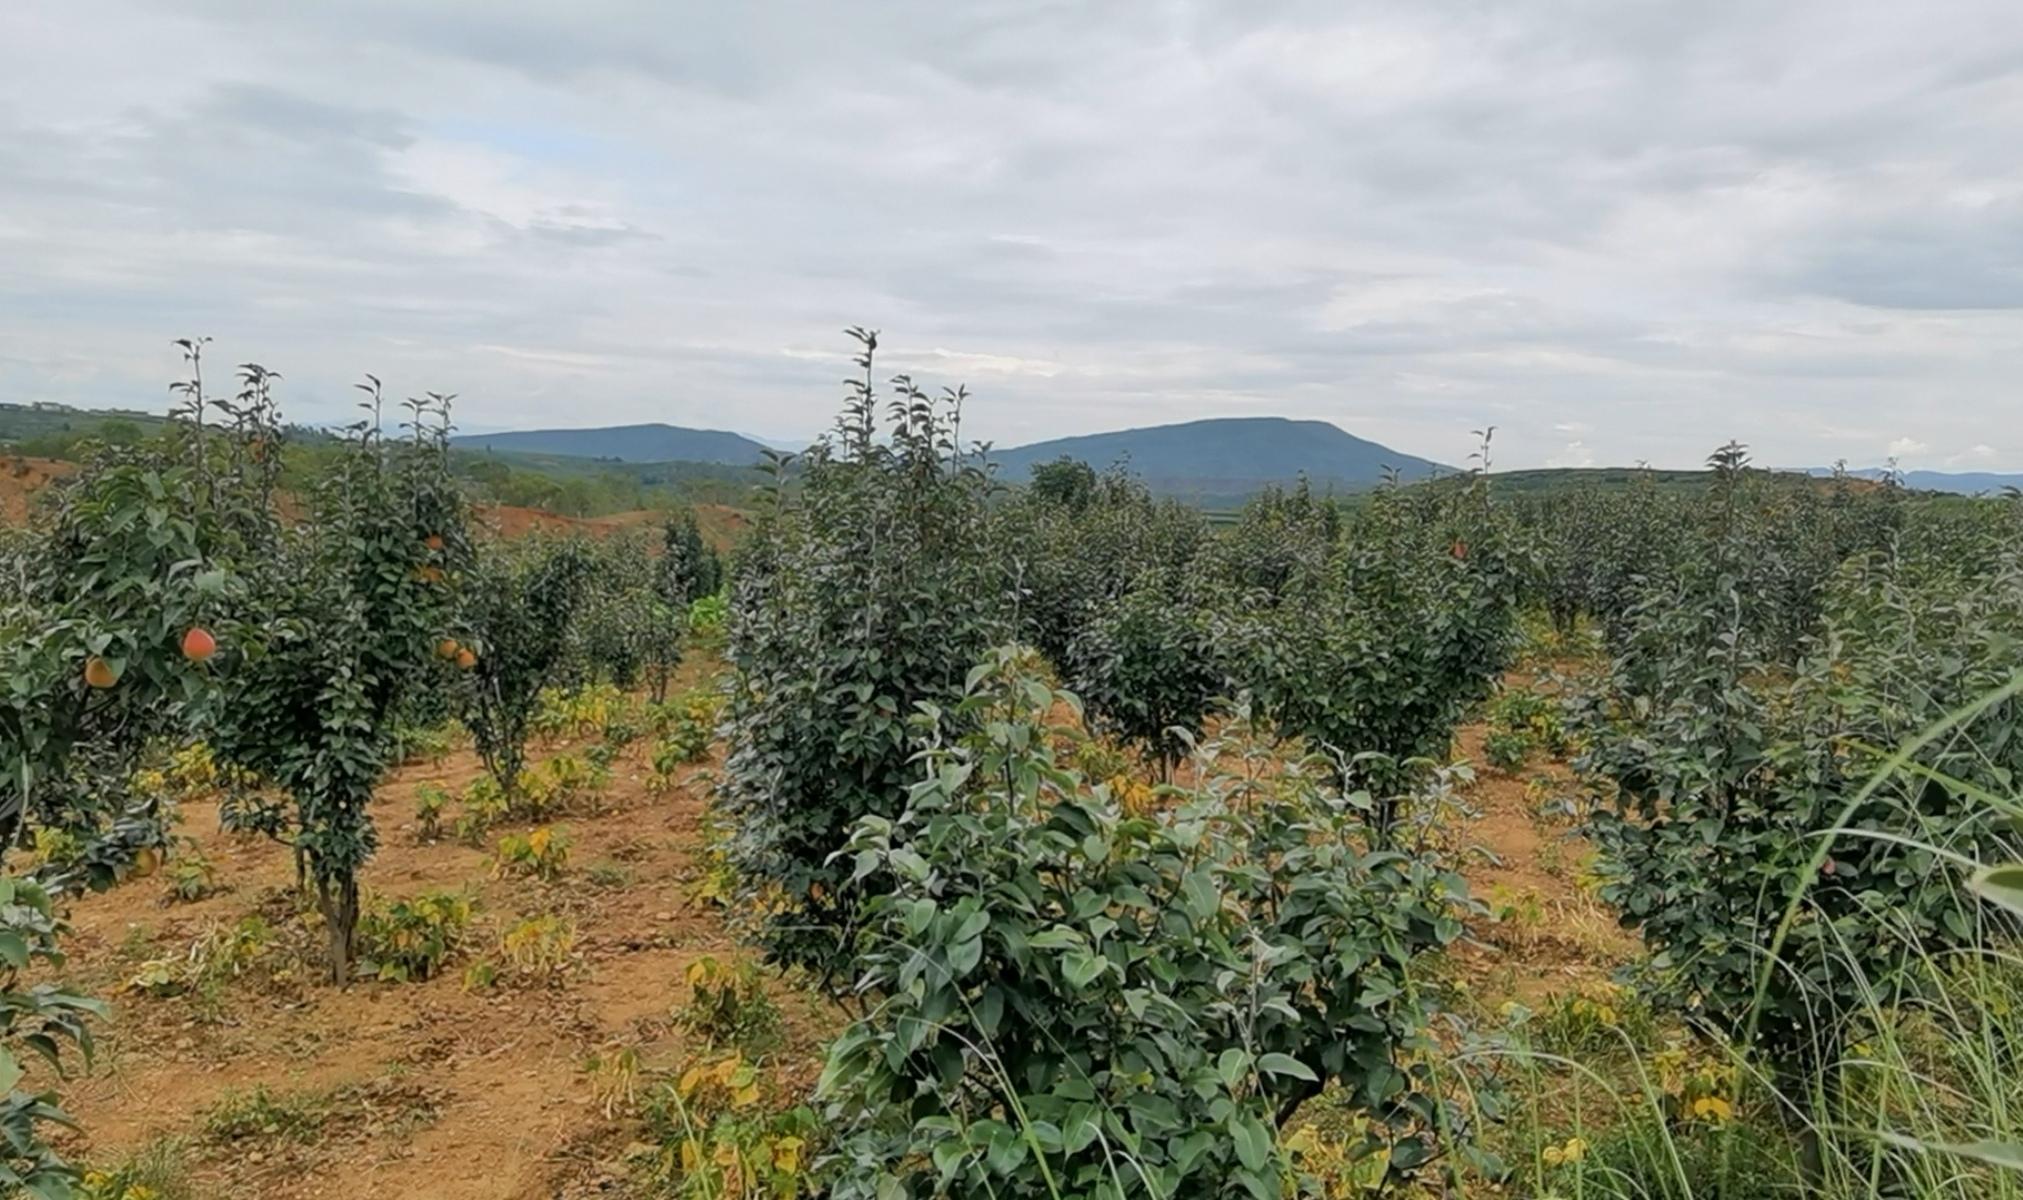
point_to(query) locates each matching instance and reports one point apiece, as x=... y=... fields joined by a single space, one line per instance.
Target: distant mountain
x=1226 y=458
x=1966 y=483
x=624 y=443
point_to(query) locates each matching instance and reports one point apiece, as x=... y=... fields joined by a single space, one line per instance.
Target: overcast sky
x=1616 y=230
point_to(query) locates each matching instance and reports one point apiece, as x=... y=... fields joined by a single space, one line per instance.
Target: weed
x=190 y=876
x=413 y=939
x=540 y=950
x=728 y=1007
x=430 y=801
x=541 y=853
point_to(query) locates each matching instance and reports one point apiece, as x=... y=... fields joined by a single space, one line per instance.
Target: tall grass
x=1921 y=1100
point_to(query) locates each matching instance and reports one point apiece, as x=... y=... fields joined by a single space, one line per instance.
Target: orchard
x=1095 y=844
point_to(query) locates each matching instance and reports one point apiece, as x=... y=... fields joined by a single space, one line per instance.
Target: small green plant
x=155 y=1172
x=716 y=1130
x=1522 y=723
x=620 y=731
x=425 y=743
x=728 y=1007
x=1506 y=750
x=707 y=618
x=565 y=783
x=1596 y=1018
x=260 y=1115
x=430 y=802
x=413 y=939
x=56 y=847
x=190 y=876
x=687 y=724
x=541 y=853
x=481 y=976
x=484 y=805
x=539 y=951
x=611 y=876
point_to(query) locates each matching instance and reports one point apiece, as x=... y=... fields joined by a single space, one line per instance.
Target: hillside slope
x=624 y=443
x=1229 y=456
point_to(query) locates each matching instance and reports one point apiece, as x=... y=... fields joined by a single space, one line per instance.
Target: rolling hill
x=1228 y=457
x=624 y=443
x=1966 y=483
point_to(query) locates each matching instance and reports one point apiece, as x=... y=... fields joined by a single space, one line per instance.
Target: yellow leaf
x=1713 y=1108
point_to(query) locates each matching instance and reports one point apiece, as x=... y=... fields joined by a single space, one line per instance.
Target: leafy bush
x=1523 y=722
x=1064 y=987
x=1146 y=669
x=868 y=590
x=1718 y=770
x=413 y=939
x=519 y=612
x=354 y=606
x=1371 y=647
x=484 y=805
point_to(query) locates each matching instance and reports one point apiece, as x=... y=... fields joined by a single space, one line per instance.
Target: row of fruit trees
x=183 y=590
x=1122 y=839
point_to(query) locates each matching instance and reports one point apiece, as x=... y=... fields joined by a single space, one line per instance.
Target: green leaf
x=1286 y=1064
x=2000 y=885
x=1081 y=968
x=2008 y=1155
x=1253 y=1144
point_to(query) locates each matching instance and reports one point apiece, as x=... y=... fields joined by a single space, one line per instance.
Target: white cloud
x=1619 y=232
x=1573 y=454
x=1907 y=447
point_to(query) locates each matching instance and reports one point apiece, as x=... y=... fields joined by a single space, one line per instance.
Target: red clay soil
x=722 y=527
x=439 y=1092
x=21 y=478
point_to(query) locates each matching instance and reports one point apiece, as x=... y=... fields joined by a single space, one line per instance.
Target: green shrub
x=1718 y=771
x=413 y=939
x=718 y=1129
x=484 y=804
x=521 y=603
x=868 y=589
x=191 y=876
x=1065 y=988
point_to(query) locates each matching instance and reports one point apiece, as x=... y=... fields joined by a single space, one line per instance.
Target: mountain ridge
x=642 y=443
x=1223 y=456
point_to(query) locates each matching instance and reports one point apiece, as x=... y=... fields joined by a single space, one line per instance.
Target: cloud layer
x=1617 y=231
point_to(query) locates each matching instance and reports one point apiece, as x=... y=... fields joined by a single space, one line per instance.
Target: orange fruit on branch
x=99 y=673
x=465 y=659
x=198 y=644
x=447 y=649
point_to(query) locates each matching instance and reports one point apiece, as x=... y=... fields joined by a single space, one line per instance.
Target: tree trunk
x=338 y=901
